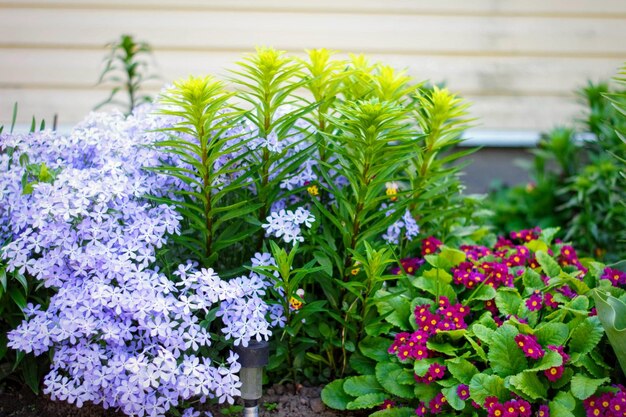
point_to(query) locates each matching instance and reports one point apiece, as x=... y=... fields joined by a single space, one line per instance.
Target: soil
x=278 y=401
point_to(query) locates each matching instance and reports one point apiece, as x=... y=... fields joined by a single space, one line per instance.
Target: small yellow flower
x=392 y=190
x=313 y=190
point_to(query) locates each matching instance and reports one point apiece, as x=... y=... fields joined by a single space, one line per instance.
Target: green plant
x=503 y=326
x=127 y=68
x=576 y=184
x=367 y=155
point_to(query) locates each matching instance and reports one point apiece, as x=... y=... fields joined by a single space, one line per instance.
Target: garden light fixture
x=252 y=359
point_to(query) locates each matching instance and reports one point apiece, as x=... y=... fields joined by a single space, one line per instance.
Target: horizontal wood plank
x=493 y=112
x=71 y=69
x=391 y=34
x=564 y=8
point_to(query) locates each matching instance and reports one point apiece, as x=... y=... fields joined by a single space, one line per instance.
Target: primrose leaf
x=584 y=387
x=562 y=405
x=367 y=401
x=461 y=369
x=375 y=348
x=483 y=386
x=334 y=396
x=530 y=384
x=395 y=412
x=453 y=398
x=612 y=315
x=549 y=266
x=505 y=357
x=395 y=307
x=396 y=380
x=449 y=257
x=361 y=385
x=586 y=335
x=552 y=334
x=508 y=301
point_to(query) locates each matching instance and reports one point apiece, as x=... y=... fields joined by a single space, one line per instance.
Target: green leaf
x=375 y=348
x=562 y=405
x=361 y=364
x=508 y=301
x=395 y=307
x=445 y=348
x=334 y=396
x=586 y=335
x=612 y=315
x=461 y=369
x=484 y=293
x=361 y=385
x=367 y=401
x=505 y=357
x=421 y=367
x=395 y=412
x=30 y=373
x=447 y=258
x=584 y=387
x=484 y=333
x=549 y=360
x=530 y=384
x=483 y=386
x=395 y=379
x=18 y=297
x=552 y=334
x=549 y=266
x=453 y=398
x=532 y=281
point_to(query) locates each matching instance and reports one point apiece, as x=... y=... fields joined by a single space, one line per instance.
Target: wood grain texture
x=518 y=61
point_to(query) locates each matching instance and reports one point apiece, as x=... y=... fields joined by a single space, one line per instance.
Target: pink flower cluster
x=435 y=372
x=568 y=256
x=512 y=408
x=446 y=317
x=556 y=372
x=435 y=406
x=616 y=276
x=608 y=404
x=530 y=346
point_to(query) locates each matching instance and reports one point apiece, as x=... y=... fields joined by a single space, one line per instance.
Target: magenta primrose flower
x=530 y=346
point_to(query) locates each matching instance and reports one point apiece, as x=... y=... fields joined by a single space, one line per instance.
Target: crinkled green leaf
x=563 y=405
x=461 y=369
x=484 y=333
x=362 y=364
x=508 y=301
x=532 y=281
x=552 y=334
x=395 y=307
x=375 y=348
x=549 y=266
x=421 y=367
x=586 y=335
x=449 y=257
x=453 y=398
x=395 y=379
x=584 y=387
x=483 y=386
x=361 y=385
x=446 y=348
x=484 y=293
x=334 y=396
x=549 y=360
x=530 y=384
x=505 y=357
x=395 y=412
x=367 y=401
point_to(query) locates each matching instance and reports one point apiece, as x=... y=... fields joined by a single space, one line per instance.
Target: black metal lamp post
x=252 y=359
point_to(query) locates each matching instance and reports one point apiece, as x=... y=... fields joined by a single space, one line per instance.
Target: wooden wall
x=518 y=61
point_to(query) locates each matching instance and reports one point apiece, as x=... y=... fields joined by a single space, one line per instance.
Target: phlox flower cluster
x=124 y=334
x=405 y=227
x=287 y=224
